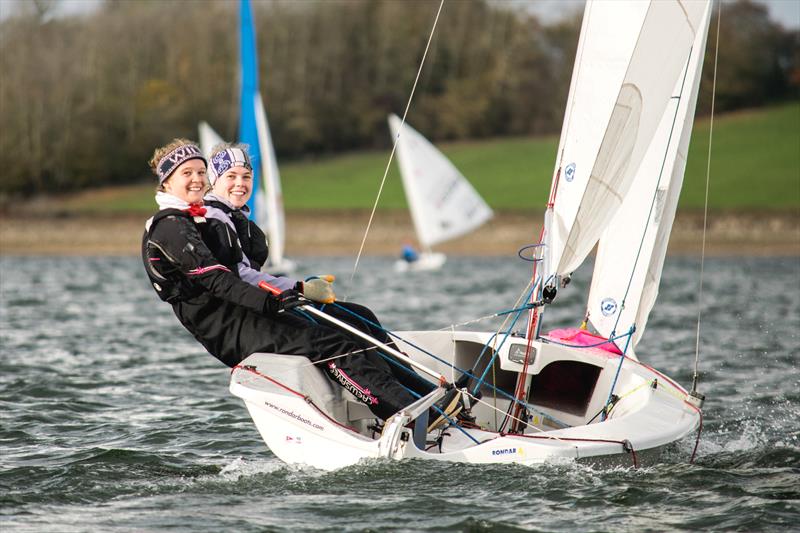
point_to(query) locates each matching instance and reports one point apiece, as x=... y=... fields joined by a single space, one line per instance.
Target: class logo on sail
x=608 y=306
x=569 y=172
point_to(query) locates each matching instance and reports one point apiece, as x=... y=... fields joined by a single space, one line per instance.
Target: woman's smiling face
x=188 y=181
x=235 y=186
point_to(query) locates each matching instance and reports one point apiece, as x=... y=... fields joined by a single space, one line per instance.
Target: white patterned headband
x=225 y=160
x=178 y=156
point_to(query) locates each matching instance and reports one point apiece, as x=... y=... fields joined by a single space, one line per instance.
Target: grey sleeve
x=253 y=277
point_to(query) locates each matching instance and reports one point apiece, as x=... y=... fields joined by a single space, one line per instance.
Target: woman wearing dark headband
x=231 y=176
x=230 y=317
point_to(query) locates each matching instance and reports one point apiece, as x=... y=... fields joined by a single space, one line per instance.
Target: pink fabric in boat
x=581 y=337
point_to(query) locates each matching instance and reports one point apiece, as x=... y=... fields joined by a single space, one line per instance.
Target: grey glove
x=320 y=289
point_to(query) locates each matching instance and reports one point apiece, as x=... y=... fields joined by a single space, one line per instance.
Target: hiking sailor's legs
x=363 y=318
x=352 y=364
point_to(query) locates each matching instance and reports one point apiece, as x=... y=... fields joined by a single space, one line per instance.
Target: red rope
x=699 y=430
x=519 y=393
x=306 y=398
x=276 y=382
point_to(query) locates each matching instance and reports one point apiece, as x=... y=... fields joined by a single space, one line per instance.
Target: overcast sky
x=787 y=12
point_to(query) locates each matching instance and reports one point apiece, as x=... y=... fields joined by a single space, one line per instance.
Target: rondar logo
x=504 y=451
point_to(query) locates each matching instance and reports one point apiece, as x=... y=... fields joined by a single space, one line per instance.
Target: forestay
x=631 y=252
x=611 y=136
x=443 y=204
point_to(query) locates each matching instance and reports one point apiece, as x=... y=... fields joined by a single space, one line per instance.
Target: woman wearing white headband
x=230 y=317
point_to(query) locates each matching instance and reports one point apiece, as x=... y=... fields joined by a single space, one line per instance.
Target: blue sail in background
x=248 y=128
x=266 y=203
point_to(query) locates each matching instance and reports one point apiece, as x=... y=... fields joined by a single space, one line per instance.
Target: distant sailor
x=409 y=254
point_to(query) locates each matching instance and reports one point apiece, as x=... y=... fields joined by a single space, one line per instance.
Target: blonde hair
x=221 y=147
x=161 y=151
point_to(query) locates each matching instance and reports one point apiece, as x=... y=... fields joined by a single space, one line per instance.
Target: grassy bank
x=755 y=166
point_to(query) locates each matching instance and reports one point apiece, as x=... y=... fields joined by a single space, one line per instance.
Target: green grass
x=755 y=165
x=755 y=161
x=509 y=174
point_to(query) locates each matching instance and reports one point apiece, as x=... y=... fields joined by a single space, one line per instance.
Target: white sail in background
x=594 y=181
x=443 y=204
x=208 y=138
x=646 y=215
x=269 y=199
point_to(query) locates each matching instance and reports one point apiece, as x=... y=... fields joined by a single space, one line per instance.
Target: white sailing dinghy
x=266 y=203
x=570 y=394
x=209 y=138
x=443 y=204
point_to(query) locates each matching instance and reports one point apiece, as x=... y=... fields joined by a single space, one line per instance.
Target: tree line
x=85 y=99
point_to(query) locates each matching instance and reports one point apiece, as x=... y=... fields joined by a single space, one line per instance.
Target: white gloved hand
x=320 y=289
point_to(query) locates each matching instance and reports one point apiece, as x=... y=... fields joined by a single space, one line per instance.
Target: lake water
x=112 y=418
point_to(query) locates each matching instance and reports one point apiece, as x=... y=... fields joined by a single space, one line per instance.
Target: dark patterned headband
x=223 y=161
x=178 y=156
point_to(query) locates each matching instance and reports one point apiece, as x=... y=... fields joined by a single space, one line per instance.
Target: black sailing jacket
x=252 y=239
x=206 y=294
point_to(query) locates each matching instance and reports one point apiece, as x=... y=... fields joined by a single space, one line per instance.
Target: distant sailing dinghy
x=443 y=204
x=208 y=138
x=266 y=204
x=569 y=394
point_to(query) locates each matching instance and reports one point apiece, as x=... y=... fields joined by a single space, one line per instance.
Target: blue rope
x=418 y=396
x=306 y=316
x=508 y=331
x=619 y=368
x=526 y=248
x=448 y=363
x=507 y=334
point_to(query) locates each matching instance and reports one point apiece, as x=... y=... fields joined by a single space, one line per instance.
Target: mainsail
x=631 y=252
x=443 y=204
x=640 y=49
x=266 y=204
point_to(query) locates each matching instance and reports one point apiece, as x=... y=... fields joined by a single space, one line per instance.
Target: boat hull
x=427 y=261
x=306 y=419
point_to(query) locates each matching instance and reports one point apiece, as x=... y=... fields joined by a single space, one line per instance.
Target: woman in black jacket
x=230 y=317
x=231 y=176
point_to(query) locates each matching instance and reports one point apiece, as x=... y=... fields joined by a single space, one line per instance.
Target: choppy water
x=113 y=419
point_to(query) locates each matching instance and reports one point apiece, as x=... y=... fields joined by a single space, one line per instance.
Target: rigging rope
x=450 y=364
x=705 y=208
x=394 y=146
